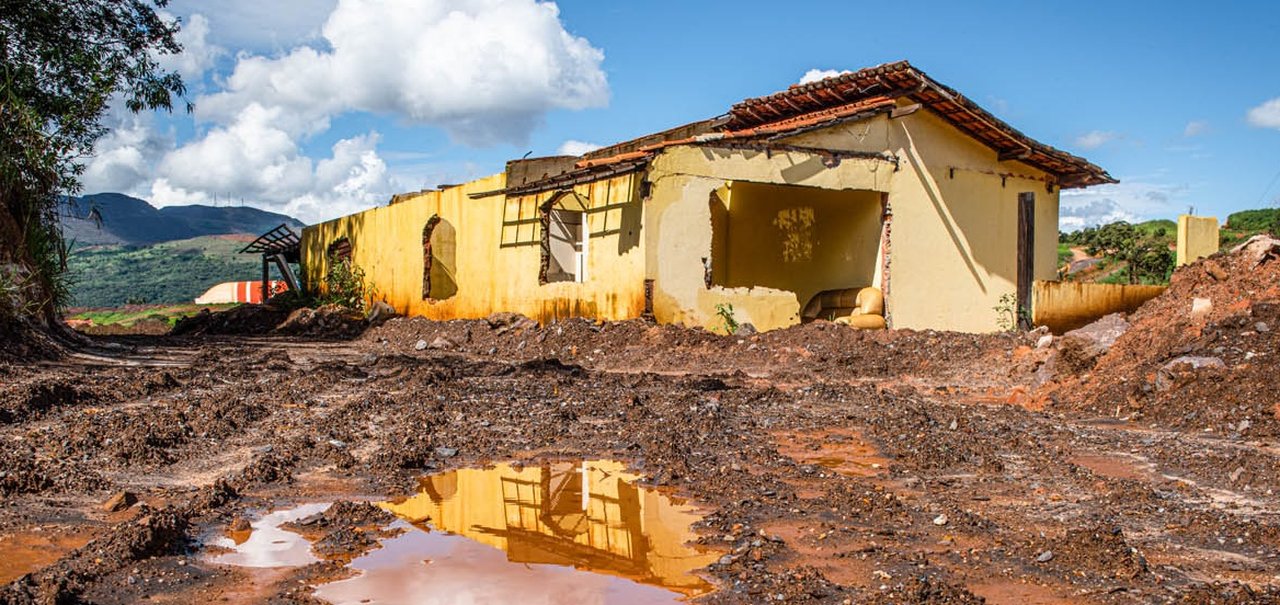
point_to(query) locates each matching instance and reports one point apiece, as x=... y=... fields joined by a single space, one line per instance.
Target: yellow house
x=877 y=198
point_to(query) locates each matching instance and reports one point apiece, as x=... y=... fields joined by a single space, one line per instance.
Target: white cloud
x=813 y=75
x=572 y=147
x=1266 y=115
x=198 y=53
x=260 y=25
x=1095 y=139
x=1195 y=128
x=486 y=71
x=1125 y=201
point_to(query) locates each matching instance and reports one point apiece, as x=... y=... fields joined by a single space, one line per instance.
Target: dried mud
x=837 y=466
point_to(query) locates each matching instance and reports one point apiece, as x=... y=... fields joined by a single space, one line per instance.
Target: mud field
x=815 y=464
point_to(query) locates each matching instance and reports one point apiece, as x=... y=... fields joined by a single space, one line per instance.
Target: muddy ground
x=836 y=466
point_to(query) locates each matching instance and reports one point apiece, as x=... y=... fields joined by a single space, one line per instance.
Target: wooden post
x=266 y=279
x=1026 y=256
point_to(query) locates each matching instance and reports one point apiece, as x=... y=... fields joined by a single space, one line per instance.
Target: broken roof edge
x=906 y=80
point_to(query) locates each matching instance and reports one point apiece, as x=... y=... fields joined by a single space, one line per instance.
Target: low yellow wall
x=1064 y=306
x=1197 y=238
x=497 y=256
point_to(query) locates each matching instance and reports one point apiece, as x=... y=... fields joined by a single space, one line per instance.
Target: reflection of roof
x=281 y=240
x=848 y=97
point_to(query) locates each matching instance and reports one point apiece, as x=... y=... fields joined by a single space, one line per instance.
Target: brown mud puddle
x=1115 y=466
x=844 y=451
x=558 y=532
x=1018 y=593
x=25 y=552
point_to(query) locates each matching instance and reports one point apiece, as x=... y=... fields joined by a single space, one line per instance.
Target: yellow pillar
x=1197 y=238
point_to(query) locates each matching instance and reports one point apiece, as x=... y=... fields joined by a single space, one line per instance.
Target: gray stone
x=745 y=329
x=420 y=345
x=443 y=343
x=446 y=452
x=1261 y=327
x=1045 y=557
x=1081 y=348
x=1165 y=378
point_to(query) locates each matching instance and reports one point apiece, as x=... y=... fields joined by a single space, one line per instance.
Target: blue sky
x=322 y=107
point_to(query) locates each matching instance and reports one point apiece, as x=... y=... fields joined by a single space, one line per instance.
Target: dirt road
x=832 y=465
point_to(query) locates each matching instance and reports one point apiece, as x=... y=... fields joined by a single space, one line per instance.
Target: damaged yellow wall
x=953 y=250
x=678 y=232
x=497 y=256
x=1197 y=238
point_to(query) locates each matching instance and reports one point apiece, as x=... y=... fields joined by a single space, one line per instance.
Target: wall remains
x=497 y=256
x=1197 y=238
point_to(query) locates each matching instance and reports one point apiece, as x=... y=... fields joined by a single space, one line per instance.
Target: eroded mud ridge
x=827 y=465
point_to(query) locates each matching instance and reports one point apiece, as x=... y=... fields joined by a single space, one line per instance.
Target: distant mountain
x=130 y=221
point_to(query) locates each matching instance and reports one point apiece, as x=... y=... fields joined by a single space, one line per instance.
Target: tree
x=61 y=64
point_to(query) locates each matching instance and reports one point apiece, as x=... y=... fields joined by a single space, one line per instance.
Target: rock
x=119 y=502
x=1261 y=327
x=1201 y=307
x=239 y=524
x=1166 y=377
x=726 y=560
x=1081 y=348
x=1261 y=248
x=1045 y=557
x=745 y=329
x=337 y=443
x=443 y=343
x=1044 y=341
x=940 y=520
x=1235 y=475
x=1215 y=271
x=380 y=312
x=446 y=452
x=504 y=322
x=420 y=345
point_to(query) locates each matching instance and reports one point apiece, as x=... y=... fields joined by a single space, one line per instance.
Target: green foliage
x=345 y=285
x=1008 y=313
x=725 y=312
x=128 y=316
x=61 y=64
x=1256 y=221
x=1144 y=248
x=168 y=273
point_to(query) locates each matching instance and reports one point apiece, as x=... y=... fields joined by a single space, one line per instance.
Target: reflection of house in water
x=589 y=515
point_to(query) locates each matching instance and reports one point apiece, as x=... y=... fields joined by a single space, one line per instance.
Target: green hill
x=169 y=272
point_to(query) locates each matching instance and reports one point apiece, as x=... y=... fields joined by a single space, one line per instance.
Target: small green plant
x=725 y=312
x=345 y=285
x=1009 y=314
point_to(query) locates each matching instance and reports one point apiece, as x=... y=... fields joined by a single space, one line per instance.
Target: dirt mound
x=242 y=320
x=24 y=343
x=328 y=321
x=1201 y=355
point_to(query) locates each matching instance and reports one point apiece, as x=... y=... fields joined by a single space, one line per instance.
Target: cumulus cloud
x=1266 y=115
x=1094 y=139
x=1195 y=128
x=486 y=71
x=198 y=53
x=260 y=26
x=1124 y=201
x=572 y=147
x=813 y=75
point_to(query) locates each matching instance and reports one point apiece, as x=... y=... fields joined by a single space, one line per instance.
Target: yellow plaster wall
x=799 y=239
x=678 y=231
x=953 y=247
x=1197 y=238
x=953 y=250
x=497 y=256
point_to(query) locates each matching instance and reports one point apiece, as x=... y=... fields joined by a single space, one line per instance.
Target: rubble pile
x=1200 y=356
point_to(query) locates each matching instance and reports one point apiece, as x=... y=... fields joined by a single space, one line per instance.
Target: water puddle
x=29 y=551
x=561 y=532
x=265 y=544
x=843 y=451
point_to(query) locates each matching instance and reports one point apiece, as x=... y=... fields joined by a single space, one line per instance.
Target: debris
x=940 y=520
x=421 y=345
x=119 y=502
x=1044 y=341
x=1261 y=327
x=1201 y=307
x=380 y=312
x=745 y=329
x=1215 y=270
x=1167 y=375
x=1045 y=557
x=1080 y=348
x=446 y=452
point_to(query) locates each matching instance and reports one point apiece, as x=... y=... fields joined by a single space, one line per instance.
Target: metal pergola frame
x=281 y=246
